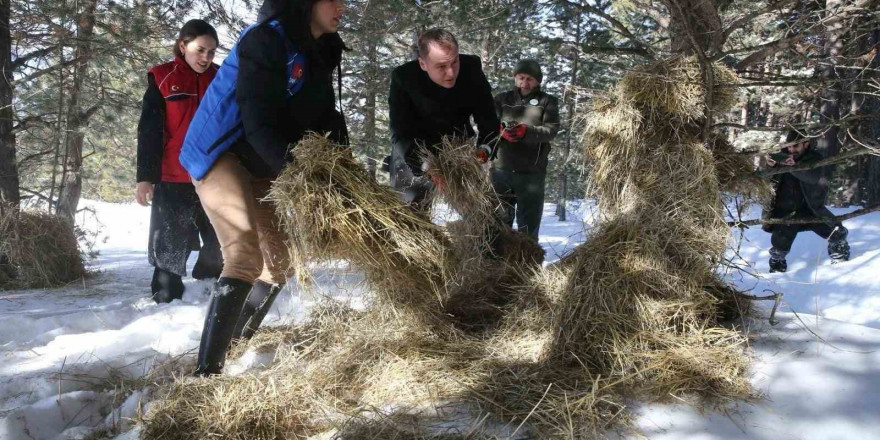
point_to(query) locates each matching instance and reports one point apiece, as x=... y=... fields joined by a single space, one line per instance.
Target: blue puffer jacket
x=217 y=124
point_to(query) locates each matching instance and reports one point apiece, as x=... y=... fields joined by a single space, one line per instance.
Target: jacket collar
x=535 y=94
x=181 y=64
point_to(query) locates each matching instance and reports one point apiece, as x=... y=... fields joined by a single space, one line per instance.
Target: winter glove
x=483 y=153
x=515 y=133
x=439 y=182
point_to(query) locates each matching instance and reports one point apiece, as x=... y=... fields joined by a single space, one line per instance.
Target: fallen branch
x=804 y=221
x=849 y=154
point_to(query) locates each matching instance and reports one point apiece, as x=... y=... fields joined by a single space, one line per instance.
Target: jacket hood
x=272 y=8
x=328 y=49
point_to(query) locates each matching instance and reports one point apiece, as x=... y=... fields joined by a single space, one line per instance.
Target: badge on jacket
x=297 y=72
x=533 y=101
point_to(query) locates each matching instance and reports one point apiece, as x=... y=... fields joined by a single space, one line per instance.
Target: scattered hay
x=635 y=311
x=243 y=407
x=332 y=208
x=37 y=250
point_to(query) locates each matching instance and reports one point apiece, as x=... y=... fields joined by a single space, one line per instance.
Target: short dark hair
x=438 y=36
x=194 y=29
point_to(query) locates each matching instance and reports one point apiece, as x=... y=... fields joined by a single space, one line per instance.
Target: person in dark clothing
x=801 y=194
x=177 y=219
x=530 y=120
x=233 y=189
x=433 y=97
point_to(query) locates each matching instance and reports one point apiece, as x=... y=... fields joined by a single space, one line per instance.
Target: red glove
x=515 y=133
x=483 y=154
x=439 y=182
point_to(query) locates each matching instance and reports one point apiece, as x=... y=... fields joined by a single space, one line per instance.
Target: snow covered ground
x=818 y=369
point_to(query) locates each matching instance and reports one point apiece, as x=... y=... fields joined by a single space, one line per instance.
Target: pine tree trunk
x=829 y=109
x=77 y=118
x=869 y=181
x=9 y=181
x=562 y=194
x=372 y=85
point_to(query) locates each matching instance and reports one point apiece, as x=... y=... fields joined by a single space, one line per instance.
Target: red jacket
x=171 y=100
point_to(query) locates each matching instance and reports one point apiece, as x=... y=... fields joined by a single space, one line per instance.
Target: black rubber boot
x=166 y=286
x=227 y=298
x=255 y=308
x=777 y=260
x=838 y=247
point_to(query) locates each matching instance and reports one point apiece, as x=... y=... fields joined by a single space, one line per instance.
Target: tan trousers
x=252 y=243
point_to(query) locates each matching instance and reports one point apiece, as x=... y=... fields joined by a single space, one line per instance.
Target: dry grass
x=333 y=209
x=641 y=301
x=635 y=311
x=674 y=89
x=736 y=172
x=41 y=250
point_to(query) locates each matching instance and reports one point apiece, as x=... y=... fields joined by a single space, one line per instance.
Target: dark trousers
x=413 y=190
x=784 y=235
x=522 y=198
x=177 y=220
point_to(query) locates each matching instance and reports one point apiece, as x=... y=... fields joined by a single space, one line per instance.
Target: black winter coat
x=540 y=113
x=272 y=120
x=422 y=112
x=800 y=192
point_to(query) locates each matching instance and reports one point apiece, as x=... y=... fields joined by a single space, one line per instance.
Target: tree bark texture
x=77 y=118
x=9 y=181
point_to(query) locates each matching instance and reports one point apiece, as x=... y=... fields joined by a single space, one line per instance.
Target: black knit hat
x=794 y=136
x=529 y=67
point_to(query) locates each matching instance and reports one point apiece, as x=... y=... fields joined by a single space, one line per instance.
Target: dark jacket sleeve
x=810 y=177
x=403 y=125
x=549 y=124
x=261 y=93
x=484 y=110
x=151 y=134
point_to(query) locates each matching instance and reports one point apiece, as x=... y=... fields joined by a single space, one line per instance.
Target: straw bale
x=37 y=250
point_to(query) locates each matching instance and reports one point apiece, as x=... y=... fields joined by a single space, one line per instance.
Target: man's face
x=441 y=64
x=525 y=82
x=797 y=150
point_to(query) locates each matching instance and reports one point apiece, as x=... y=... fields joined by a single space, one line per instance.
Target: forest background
x=75 y=73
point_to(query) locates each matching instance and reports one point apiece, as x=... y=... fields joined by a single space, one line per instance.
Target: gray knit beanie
x=529 y=67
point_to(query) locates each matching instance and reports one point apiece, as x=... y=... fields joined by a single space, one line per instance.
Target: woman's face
x=326 y=15
x=199 y=53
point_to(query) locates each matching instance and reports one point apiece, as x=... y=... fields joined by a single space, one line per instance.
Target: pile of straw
x=674 y=89
x=639 y=303
x=635 y=311
x=37 y=250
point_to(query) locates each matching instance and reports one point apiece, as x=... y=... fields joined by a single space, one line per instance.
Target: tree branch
x=742 y=21
x=45 y=71
x=615 y=23
x=20 y=61
x=804 y=221
x=840 y=157
x=766 y=50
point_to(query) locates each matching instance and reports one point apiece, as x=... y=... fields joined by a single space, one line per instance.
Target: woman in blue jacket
x=274 y=115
